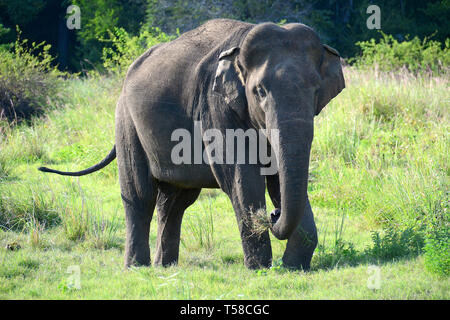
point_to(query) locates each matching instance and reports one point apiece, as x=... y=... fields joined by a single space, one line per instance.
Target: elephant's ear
x=332 y=78
x=227 y=80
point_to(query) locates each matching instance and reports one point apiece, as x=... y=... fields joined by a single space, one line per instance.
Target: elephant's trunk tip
x=279 y=234
x=274 y=217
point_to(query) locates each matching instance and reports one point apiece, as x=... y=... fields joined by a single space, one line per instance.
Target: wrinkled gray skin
x=228 y=75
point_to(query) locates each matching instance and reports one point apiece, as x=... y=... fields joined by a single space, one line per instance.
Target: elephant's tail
x=110 y=157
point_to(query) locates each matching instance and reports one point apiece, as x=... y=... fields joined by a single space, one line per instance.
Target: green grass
x=379 y=172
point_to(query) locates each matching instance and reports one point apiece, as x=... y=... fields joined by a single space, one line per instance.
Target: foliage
x=362 y=154
x=21 y=12
x=125 y=48
x=437 y=252
x=29 y=83
x=200 y=229
x=173 y=15
x=35 y=211
x=83 y=219
x=379 y=158
x=101 y=16
x=437 y=241
x=390 y=244
x=388 y=54
x=3 y=32
x=16 y=213
x=395 y=243
x=340 y=253
x=5 y=166
x=340 y=23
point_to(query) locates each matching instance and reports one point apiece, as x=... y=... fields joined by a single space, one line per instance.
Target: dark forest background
x=340 y=23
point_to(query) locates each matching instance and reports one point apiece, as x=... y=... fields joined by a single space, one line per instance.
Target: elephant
x=225 y=74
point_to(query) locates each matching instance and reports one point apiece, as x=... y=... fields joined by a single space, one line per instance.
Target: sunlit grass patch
x=379 y=171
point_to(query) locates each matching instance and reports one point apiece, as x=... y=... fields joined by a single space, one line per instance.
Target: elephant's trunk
x=293 y=150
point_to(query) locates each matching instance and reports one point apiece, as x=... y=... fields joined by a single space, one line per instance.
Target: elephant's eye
x=260 y=91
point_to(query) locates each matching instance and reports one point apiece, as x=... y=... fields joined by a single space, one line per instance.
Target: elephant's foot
x=137 y=249
x=137 y=258
x=167 y=253
x=298 y=253
x=299 y=250
x=301 y=261
x=257 y=251
x=256 y=263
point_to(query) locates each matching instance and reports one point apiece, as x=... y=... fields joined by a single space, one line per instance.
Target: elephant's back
x=184 y=53
x=200 y=41
x=207 y=36
x=162 y=79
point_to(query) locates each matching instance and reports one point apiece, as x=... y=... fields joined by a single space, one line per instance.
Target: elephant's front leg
x=246 y=190
x=302 y=243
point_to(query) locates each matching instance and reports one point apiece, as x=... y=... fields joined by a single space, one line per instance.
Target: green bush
x=416 y=55
x=338 y=254
x=29 y=83
x=5 y=166
x=20 y=205
x=395 y=243
x=437 y=242
x=125 y=48
x=437 y=252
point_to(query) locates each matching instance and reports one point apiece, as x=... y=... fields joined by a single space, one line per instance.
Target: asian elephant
x=224 y=75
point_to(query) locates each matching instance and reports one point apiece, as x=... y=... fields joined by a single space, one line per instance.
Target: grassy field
x=379 y=165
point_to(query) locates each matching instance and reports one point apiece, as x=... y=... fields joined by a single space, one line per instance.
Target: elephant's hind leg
x=138 y=191
x=171 y=204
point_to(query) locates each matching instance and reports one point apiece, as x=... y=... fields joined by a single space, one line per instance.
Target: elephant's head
x=283 y=76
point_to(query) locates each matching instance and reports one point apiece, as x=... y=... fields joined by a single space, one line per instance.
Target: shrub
x=437 y=252
x=21 y=206
x=415 y=55
x=337 y=253
x=84 y=219
x=395 y=243
x=340 y=253
x=5 y=167
x=29 y=83
x=125 y=48
x=437 y=241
